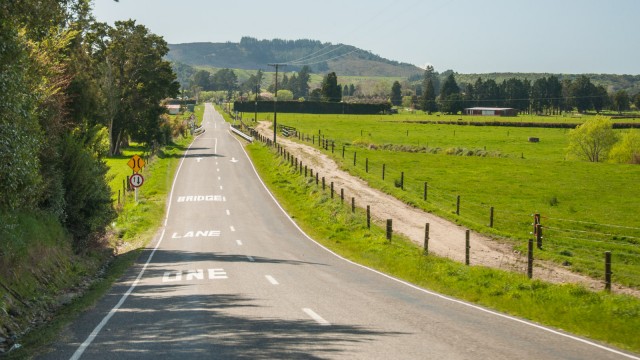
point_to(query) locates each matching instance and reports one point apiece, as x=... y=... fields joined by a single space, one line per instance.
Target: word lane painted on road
x=201 y=198
x=196 y=234
x=191 y=275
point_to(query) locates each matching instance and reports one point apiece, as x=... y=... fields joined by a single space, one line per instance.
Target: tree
x=396 y=93
x=202 y=79
x=285 y=95
x=636 y=101
x=428 y=99
x=331 y=91
x=621 y=101
x=451 y=101
x=134 y=79
x=592 y=140
x=582 y=91
x=345 y=90
x=627 y=150
x=600 y=99
x=315 y=95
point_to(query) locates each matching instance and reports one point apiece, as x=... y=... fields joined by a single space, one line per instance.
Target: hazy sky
x=467 y=36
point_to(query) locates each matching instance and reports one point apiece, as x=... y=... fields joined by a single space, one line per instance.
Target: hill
x=252 y=54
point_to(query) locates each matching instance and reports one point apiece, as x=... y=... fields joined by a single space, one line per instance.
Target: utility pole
x=257 y=89
x=275 y=112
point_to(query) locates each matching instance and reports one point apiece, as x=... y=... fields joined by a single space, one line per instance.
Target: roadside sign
x=136 y=180
x=136 y=163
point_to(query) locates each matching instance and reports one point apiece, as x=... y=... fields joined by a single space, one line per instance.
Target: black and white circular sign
x=136 y=180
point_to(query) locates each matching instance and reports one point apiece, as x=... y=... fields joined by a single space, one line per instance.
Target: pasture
x=586 y=208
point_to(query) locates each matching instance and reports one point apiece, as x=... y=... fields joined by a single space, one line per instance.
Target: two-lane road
x=231 y=276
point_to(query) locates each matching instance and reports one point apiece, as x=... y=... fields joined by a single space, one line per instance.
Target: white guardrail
x=243 y=135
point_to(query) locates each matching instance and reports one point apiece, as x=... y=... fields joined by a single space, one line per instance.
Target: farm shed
x=491 y=111
x=173 y=109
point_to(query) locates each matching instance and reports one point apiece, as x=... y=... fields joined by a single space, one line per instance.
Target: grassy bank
x=606 y=317
x=76 y=282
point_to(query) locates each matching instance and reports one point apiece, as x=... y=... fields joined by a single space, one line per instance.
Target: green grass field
x=587 y=208
x=599 y=315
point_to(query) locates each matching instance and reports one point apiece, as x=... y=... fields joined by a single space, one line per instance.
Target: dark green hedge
x=311 y=107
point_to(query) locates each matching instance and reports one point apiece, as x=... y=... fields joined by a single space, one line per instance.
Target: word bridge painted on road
x=191 y=275
x=196 y=234
x=201 y=198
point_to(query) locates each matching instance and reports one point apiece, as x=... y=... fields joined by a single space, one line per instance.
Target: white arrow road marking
x=234 y=160
x=272 y=280
x=316 y=317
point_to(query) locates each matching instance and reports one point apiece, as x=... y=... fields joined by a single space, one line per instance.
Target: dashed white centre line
x=272 y=280
x=228 y=212
x=250 y=258
x=218 y=170
x=239 y=242
x=219 y=178
x=316 y=317
x=232 y=228
x=220 y=187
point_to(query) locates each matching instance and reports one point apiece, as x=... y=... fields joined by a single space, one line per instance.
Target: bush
x=88 y=206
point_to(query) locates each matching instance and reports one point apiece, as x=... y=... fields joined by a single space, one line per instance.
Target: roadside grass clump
x=602 y=316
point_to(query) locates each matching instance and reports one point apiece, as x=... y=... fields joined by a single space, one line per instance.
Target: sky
x=467 y=36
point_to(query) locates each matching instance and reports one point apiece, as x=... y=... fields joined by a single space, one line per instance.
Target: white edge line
x=476 y=307
x=316 y=317
x=78 y=353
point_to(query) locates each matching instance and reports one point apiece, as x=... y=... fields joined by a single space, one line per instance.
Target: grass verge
x=611 y=318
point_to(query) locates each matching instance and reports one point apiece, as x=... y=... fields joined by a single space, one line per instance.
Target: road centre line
x=228 y=212
x=232 y=228
x=316 y=317
x=272 y=280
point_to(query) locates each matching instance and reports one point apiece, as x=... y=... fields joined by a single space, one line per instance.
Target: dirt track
x=446 y=239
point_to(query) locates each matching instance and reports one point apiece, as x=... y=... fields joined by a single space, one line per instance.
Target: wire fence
x=571 y=244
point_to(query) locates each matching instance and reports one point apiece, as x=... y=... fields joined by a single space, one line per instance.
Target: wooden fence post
x=426 y=239
x=389 y=229
x=425 y=191
x=354 y=158
x=458 y=205
x=383 y=166
x=342 y=195
x=607 y=271
x=353 y=204
x=402 y=180
x=323 y=187
x=530 y=259
x=366 y=165
x=467 y=247
x=332 y=189
x=368 y=217
x=491 y=217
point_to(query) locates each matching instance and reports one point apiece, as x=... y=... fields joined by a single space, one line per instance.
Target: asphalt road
x=231 y=276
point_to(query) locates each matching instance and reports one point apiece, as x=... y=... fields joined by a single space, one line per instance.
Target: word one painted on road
x=200 y=198
x=190 y=275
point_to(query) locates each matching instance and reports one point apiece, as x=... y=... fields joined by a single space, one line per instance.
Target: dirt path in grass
x=446 y=239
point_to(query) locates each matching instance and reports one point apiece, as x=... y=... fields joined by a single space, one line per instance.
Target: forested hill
x=254 y=54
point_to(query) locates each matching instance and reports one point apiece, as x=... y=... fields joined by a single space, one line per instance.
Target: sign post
x=136 y=163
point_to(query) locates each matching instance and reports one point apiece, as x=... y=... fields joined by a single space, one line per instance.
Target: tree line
x=546 y=95
x=74 y=90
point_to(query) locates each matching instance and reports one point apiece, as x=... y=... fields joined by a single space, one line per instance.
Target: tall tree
x=428 y=99
x=450 y=98
x=582 y=92
x=396 y=93
x=621 y=101
x=331 y=91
